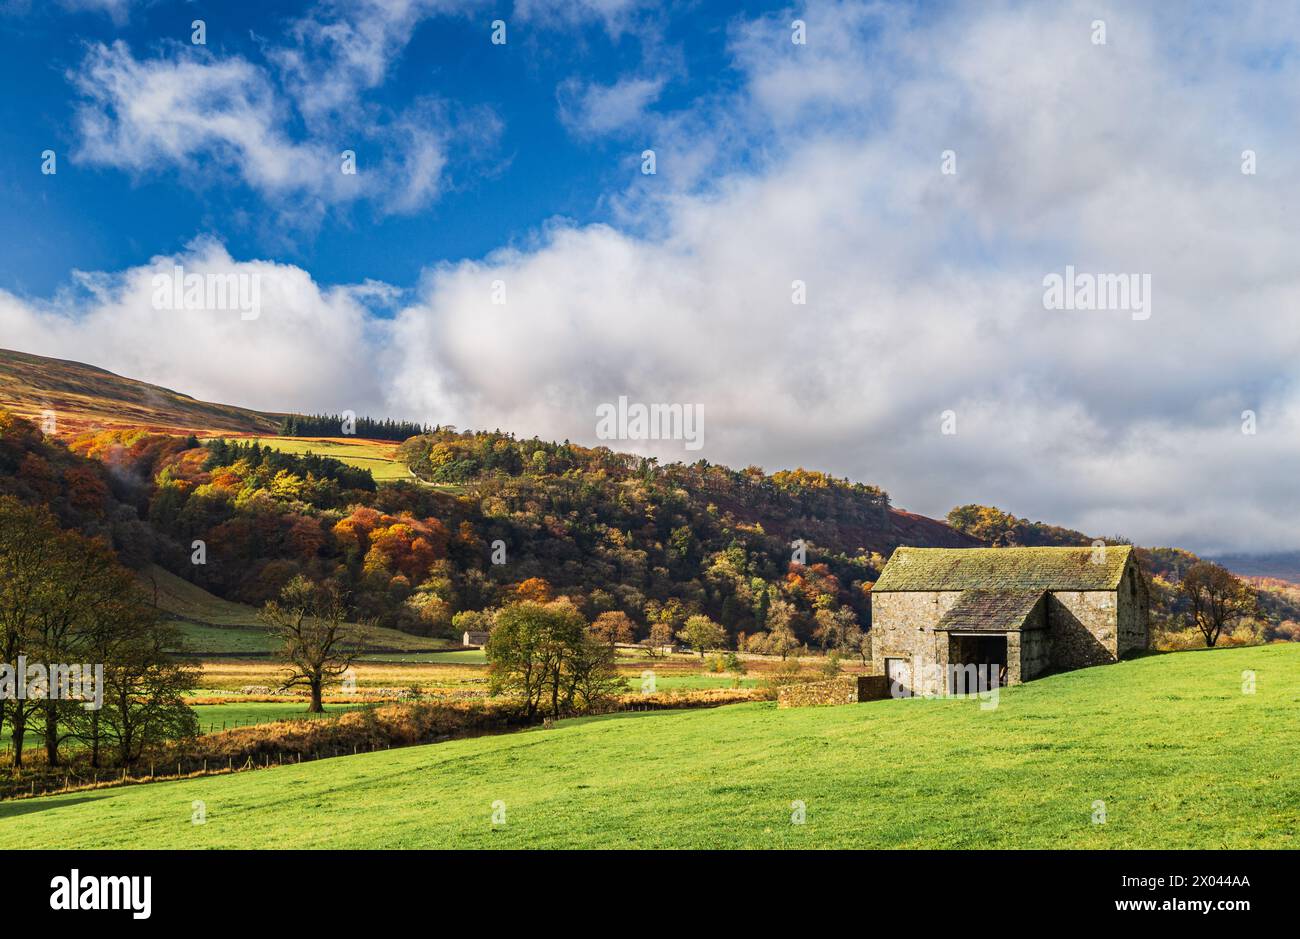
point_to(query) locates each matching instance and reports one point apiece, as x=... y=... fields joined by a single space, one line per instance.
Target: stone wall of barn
x=1132 y=618
x=1083 y=627
x=903 y=628
x=1035 y=651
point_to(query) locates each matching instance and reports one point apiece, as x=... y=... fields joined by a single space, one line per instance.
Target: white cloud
x=341 y=49
x=617 y=16
x=591 y=109
x=309 y=349
x=118 y=10
x=224 y=119
x=925 y=290
x=196 y=113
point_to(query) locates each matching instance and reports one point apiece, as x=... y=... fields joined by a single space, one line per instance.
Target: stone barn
x=1023 y=611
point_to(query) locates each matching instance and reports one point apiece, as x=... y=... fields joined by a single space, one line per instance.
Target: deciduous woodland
x=492 y=518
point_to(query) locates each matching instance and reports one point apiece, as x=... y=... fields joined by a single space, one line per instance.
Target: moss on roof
x=995 y=610
x=1004 y=569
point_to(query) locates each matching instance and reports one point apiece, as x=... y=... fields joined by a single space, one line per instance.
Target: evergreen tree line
x=331 y=425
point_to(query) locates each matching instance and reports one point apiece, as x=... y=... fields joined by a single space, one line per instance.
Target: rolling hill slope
x=83 y=396
x=210 y=625
x=1178 y=754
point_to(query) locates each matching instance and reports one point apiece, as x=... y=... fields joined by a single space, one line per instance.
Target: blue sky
x=499 y=260
x=103 y=217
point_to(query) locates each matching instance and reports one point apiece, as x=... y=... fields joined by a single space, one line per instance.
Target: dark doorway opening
x=988 y=656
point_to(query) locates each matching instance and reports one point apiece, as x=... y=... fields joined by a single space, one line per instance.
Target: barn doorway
x=988 y=653
x=899 y=673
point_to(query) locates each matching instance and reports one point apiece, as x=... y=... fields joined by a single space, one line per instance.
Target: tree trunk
x=316 y=706
x=19 y=724
x=94 y=739
x=51 y=733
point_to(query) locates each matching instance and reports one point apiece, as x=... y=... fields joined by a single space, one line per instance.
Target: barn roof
x=1004 y=569
x=995 y=610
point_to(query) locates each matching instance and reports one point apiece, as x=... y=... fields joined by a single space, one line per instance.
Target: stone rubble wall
x=847 y=689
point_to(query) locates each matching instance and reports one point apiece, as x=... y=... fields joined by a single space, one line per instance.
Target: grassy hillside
x=1180 y=756
x=209 y=624
x=378 y=456
x=83 y=397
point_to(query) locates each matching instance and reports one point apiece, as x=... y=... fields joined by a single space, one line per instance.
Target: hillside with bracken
x=83 y=397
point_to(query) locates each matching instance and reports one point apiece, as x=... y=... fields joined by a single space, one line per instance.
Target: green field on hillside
x=209 y=624
x=378 y=456
x=1178 y=753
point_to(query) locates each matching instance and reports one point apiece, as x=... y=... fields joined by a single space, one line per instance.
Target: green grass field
x=1180 y=756
x=216 y=717
x=378 y=456
x=457 y=657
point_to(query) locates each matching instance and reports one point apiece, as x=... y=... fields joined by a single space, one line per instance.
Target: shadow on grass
x=27 y=806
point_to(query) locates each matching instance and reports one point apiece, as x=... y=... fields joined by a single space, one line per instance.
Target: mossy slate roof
x=1004 y=569
x=994 y=610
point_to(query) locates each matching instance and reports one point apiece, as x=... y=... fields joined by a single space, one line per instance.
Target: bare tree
x=318 y=645
x=1218 y=598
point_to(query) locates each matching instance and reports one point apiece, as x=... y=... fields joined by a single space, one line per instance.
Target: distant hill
x=1283 y=566
x=84 y=397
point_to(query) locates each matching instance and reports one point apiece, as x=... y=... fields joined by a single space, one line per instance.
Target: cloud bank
x=924 y=288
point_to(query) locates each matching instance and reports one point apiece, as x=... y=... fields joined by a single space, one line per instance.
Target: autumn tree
x=832 y=627
x=660 y=638
x=1217 y=598
x=543 y=655
x=144 y=697
x=857 y=642
x=613 y=627
x=27 y=551
x=317 y=644
x=65 y=600
x=534 y=590
x=702 y=634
